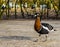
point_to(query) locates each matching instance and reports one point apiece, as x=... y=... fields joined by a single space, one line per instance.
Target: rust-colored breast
x=37 y=24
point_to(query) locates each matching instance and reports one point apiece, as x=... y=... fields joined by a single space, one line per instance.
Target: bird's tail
x=53 y=30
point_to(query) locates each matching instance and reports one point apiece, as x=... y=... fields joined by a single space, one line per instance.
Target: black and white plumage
x=42 y=28
x=48 y=27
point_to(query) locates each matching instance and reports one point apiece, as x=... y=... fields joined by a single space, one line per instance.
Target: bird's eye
x=35 y=15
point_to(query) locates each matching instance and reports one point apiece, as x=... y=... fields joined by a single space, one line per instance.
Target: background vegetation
x=27 y=8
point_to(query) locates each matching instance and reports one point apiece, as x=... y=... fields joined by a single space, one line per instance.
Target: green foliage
x=30 y=3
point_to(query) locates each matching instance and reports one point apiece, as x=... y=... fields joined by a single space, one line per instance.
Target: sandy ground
x=21 y=33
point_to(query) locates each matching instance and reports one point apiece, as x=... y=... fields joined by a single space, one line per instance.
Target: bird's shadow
x=15 y=38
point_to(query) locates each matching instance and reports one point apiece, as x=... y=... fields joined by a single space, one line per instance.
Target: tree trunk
x=8 y=10
x=15 y=10
x=22 y=13
x=47 y=10
x=59 y=5
x=0 y=11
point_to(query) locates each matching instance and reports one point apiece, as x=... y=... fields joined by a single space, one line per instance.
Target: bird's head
x=37 y=15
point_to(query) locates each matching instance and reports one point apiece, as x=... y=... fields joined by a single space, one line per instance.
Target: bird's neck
x=38 y=20
x=37 y=23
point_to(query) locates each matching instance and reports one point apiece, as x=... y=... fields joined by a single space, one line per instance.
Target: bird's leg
x=39 y=35
x=37 y=38
x=46 y=37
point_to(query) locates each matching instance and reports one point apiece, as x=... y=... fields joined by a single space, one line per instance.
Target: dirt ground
x=21 y=33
